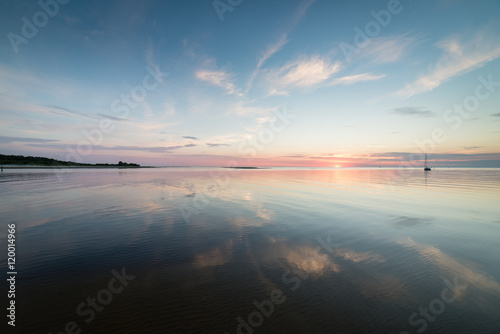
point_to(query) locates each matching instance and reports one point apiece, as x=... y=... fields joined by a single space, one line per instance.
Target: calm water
x=264 y=251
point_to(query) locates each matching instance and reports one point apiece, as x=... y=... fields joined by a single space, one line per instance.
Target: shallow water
x=209 y=249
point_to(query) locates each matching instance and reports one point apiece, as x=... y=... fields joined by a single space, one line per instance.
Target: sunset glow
x=177 y=84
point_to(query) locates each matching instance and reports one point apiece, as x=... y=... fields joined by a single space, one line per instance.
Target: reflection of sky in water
x=367 y=246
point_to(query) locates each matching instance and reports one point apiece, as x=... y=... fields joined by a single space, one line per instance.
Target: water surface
x=340 y=250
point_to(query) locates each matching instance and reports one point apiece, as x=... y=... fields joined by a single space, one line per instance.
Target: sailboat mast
x=426 y=168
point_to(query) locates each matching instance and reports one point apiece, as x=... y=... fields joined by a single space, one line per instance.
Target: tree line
x=41 y=161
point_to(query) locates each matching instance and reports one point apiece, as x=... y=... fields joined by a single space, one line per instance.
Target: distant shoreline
x=243 y=167
x=249 y=168
x=74 y=167
x=20 y=161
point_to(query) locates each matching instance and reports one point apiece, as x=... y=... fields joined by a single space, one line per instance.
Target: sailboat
x=426 y=168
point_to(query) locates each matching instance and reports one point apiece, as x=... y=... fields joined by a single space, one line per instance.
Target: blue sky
x=363 y=83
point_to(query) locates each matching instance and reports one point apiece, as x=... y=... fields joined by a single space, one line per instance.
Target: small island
x=245 y=167
x=20 y=161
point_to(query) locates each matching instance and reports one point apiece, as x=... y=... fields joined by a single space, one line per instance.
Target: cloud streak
x=153 y=149
x=218 y=78
x=242 y=109
x=412 y=111
x=271 y=50
x=216 y=145
x=66 y=111
x=9 y=140
x=302 y=73
x=458 y=58
x=281 y=42
x=349 y=80
x=472 y=148
x=384 y=50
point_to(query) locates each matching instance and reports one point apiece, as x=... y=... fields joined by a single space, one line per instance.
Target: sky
x=252 y=82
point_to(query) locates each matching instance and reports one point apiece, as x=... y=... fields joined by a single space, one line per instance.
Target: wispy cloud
x=243 y=109
x=275 y=92
x=387 y=49
x=157 y=149
x=323 y=157
x=150 y=57
x=301 y=11
x=216 y=145
x=8 y=140
x=472 y=148
x=262 y=120
x=65 y=111
x=294 y=156
x=349 y=80
x=271 y=50
x=282 y=40
x=218 y=78
x=190 y=137
x=458 y=58
x=113 y=118
x=496 y=115
x=229 y=138
x=152 y=149
x=169 y=106
x=302 y=73
x=71 y=19
x=199 y=103
x=412 y=111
